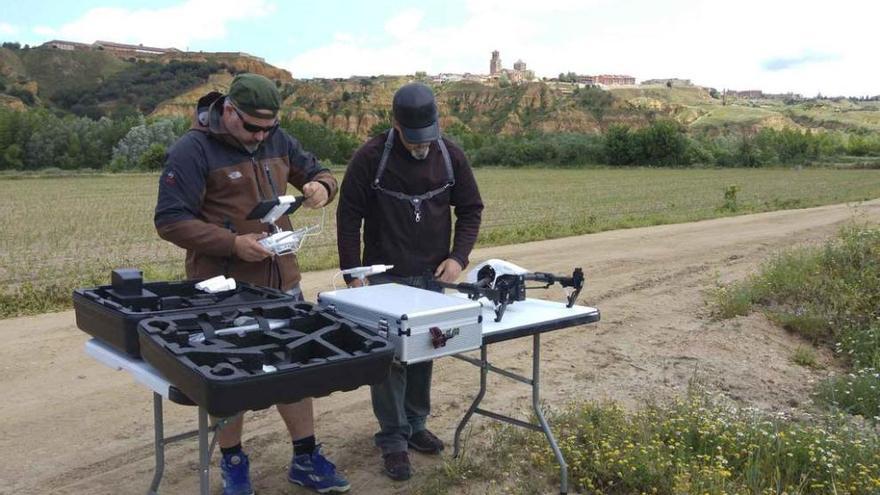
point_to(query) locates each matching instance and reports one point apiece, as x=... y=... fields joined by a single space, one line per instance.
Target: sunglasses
x=253 y=127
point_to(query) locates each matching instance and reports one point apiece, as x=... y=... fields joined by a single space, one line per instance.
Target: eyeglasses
x=253 y=127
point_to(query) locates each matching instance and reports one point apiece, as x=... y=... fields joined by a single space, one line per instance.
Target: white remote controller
x=284 y=242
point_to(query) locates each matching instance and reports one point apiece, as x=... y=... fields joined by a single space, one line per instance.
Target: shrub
x=828 y=295
x=142 y=145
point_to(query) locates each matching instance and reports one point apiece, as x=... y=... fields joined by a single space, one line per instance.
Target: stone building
x=495 y=64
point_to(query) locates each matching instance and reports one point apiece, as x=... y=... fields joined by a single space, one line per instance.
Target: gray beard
x=419 y=155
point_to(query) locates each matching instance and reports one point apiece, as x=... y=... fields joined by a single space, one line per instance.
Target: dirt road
x=69 y=425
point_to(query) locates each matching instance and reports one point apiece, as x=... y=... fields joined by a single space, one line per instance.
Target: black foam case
x=313 y=355
x=111 y=313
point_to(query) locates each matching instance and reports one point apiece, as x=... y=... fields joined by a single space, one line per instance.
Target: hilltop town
x=497 y=75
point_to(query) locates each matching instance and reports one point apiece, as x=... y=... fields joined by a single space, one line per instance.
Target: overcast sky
x=778 y=46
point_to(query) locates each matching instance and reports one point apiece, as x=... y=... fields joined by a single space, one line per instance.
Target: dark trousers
x=402 y=402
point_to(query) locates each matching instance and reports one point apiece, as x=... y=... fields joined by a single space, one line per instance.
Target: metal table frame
x=162 y=389
x=494 y=332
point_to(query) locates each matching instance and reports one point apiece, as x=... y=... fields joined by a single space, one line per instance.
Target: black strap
x=207 y=329
x=415 y=200
x=262 y=322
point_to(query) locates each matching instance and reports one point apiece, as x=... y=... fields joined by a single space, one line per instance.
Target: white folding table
x=531 y=317
x=150 y=377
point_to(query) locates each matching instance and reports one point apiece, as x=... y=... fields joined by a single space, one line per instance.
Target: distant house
x=749 y=93
x=445 y=77
x=615 y=80
x=66 y=45
x=126 y=50
x=133 y=49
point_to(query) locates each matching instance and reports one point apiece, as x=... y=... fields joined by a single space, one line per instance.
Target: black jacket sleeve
x=468 y=208
x=352 y=209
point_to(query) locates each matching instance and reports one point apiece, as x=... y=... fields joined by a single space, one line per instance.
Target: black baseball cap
x=415 y=110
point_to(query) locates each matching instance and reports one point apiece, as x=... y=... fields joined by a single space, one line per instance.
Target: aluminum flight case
x=422 y=325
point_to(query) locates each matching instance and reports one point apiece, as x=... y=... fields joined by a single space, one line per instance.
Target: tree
x=662 y=143
x=325 y=143
x=153 y=158
x=618 y=145
x=13 y=158
x=129 y=153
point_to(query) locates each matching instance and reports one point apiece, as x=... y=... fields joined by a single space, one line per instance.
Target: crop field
x=61 y=233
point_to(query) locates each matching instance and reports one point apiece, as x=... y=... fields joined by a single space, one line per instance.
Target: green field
x=59 y=233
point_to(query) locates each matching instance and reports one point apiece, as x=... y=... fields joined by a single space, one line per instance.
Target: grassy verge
x=831 y=296
x=689 y=446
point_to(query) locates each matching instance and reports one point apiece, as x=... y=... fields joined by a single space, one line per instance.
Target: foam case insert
x=311 y=355
x=111 y=313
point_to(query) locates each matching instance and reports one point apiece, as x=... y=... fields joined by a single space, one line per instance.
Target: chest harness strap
x=414 y=200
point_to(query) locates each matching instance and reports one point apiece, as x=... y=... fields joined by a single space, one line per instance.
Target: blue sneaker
x=316 y=472
x=236 y=478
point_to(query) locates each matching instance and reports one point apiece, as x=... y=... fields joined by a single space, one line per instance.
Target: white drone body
x=501 y=268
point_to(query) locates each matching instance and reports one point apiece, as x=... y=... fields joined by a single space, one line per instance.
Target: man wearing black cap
x=233 y=157
x=403 y=185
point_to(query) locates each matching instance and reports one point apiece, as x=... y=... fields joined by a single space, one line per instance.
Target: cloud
x=45 y=31
x=782 y=63
x=530 y=6
x=415 y=47
x=707 y=42
x=404 y=24
x=7 y=29
x=174 y=26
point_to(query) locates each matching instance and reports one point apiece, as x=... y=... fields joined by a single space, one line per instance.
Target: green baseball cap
x=255 y=95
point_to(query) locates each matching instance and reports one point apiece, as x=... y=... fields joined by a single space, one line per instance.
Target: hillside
x=356 y=105
x=97 y=83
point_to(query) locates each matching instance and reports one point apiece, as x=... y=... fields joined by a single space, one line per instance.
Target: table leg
x=484 y=370
x=536 y=397
x=159 y=444
x=204 y=453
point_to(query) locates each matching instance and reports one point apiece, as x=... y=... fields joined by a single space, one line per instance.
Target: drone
x=280 y=242
x=505 y=289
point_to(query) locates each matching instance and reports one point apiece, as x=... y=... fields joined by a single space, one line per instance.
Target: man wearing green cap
x=233 y=157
